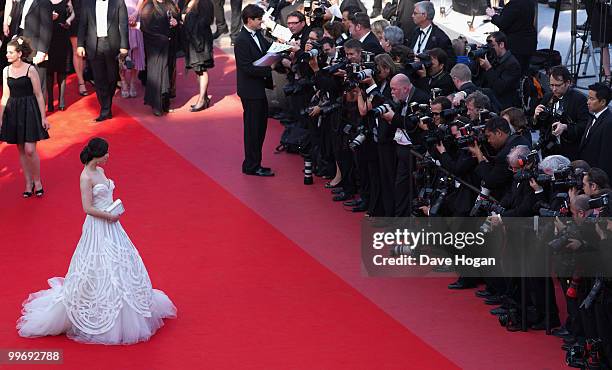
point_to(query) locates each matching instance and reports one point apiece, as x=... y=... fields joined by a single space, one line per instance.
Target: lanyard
x=422 y=37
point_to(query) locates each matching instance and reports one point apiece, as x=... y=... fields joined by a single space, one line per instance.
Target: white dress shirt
x=102 y=18
x=254 y=36
x=421 y=43
x=593 y=122
x=24 y=12
x=364 y=36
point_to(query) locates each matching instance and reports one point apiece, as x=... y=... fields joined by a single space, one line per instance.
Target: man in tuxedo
x=516 y=20
x=426 y=35
x=103 y=36
x=404 y=93
x=569 y=103
x=253 y=81
x=359 y=28
x=595 y=146
x=296 y=22
x=32 y=19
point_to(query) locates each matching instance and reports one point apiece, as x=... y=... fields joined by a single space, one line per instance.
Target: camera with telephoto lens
x=562 y=209
x=485 y=206
x=435 y=92
x=558 y=244
x=567 y=178
x=383 y=108
x=471 y=135
x=437 y=134
x=325 y=106
x=602 y=202
x=478 y=52
x=424 y=60
x=356 y=136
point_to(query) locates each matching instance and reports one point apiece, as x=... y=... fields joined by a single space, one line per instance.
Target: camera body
x=424 y=60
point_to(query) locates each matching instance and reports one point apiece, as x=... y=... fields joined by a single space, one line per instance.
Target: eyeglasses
x=435 y=113
x=293 y=23
x=417 y=13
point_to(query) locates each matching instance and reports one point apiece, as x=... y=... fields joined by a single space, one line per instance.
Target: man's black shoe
x=493 y=300
x=267 y=169
x=352 y=203
x=499 y=311
x=460 y=284
x=542 y=324
x=360 y=208
x=101 y=118
x=483 y=293
x=342 y=196
x=260 y=172
x=337 y=190
x=218 y=34
x=569 y=340
x=561 y=332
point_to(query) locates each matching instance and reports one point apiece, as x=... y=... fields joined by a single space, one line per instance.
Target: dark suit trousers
x=220 y=16
x=106 y=72
x=403 y=181
x=377 y=5
x=387 y=159
x=255 y=119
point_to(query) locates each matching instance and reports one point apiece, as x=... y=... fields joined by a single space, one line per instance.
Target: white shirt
x=254 y=36
x=401 y=136
x=24 y=12
x=421 y=43
x=594 y=119
x=102 y=18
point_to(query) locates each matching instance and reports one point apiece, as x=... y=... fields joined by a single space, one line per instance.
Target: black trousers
x=255 y=119
x=404 y=191
x=220 y=16
x=106 y=73
x=387 y=163
x=377 y=4
x=603 y=316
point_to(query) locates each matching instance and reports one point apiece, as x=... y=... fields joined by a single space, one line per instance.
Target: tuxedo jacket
x=252 y=81
x=404 y=16
x=437 y=39
x=516 y=20
x=371 y=44
x=574 y=106
x=117 y=20
x=38 y=25
x=596 y=149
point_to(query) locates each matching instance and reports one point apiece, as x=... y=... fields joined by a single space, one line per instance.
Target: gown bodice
x=103 y=194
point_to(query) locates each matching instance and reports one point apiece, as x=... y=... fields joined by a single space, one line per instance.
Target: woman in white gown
x=107 y=296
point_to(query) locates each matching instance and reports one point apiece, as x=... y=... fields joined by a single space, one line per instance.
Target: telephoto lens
x=308 y=180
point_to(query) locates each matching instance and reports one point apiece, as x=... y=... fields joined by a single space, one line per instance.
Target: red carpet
x=247 y=296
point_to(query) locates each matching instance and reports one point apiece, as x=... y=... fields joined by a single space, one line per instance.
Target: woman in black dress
x=198 y=45
x=58 y=54
x=22 y=112
x=157 y=22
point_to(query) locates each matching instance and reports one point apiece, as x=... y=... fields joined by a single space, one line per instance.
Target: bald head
x=400 y=87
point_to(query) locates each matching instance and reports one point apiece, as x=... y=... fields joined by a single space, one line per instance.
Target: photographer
x=503 y=75
x=359 y=28
x=403 y=93
x=437 y=77
x=495 y=174
x=565 y=115
x=516 y=20
x=461 y=76
x=595 y=146
x=476 y=103
x=518 y=122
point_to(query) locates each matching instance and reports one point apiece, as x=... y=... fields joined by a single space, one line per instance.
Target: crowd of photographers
x=420 y=125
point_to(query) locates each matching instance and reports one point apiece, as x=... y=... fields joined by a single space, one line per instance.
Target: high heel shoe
x=83 y=92
x=28 y=194
x=206 y=103
x=328 y=185
x=40 y=192
x=125 y=92
x=133 y=92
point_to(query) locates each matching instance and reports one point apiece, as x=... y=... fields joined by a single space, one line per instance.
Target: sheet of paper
x=282 y=32
x=267 y=60
x=277 y=47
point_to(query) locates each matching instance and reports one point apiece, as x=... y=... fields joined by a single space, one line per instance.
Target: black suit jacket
x=495 y=174
x=117 y=20
x=596 y=149
x=504 y=79
x=38 y=24
x=516 y=21
x=437 y=39
x=371 y=44
x=252 y=81
x=574 y=106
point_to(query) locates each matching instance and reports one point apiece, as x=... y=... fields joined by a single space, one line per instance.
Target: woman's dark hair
x=21 y=44
x=96 y=148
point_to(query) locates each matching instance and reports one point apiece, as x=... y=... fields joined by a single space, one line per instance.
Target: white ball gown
x=106 y=297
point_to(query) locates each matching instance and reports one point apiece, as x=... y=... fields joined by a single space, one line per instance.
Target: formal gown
x=106 y=296
x=22 y=122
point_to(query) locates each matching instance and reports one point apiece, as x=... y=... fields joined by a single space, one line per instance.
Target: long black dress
x=197 y=36
x=58 y=53
x=157 y=35
x=22 y=122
